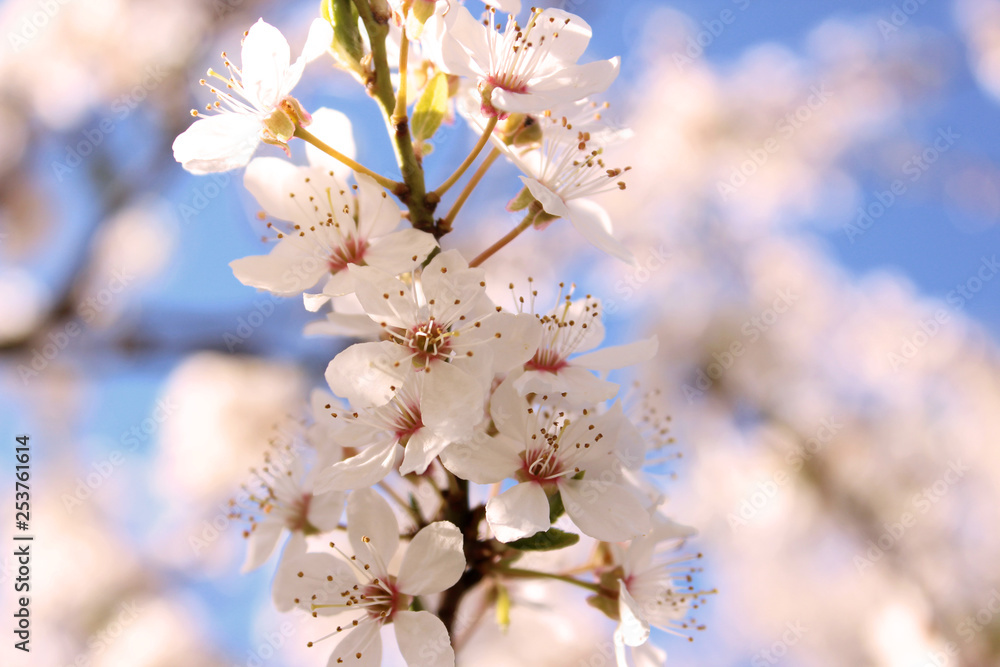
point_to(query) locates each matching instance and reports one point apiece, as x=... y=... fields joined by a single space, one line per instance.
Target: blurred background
x=814 y=210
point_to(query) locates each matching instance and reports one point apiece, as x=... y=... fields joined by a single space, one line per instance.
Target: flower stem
x=484 y=137
x=380 y=87
x=399 y=114
x=532 y=574
x=308 y=136
x=469 y=187
x=507 y=238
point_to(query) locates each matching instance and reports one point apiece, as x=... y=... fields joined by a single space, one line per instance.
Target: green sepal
x=556 y=508
x=431 y=108
x=548 y=540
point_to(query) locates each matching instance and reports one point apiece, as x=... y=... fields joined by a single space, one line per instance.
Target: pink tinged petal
x=383 y=297
x=483 y=460
x=290 y=268
x=633 y=627
x=218 y=143
x=550 y=201
x=261 y=543
x=605 y=511
x=434 y=561
x=378 y=214
x=338 y=284
x=395 y=252
x=334 y=129
x=619 y=356
x=422 y=448
x=363 y=640
x=594 y=224
x=369 y=515
x=366 y=374
x=423 y=639
x=520 y=511
x=265 y=61
x=361 y=470
x=325 y=510
x=452 y=401
x=506 y=6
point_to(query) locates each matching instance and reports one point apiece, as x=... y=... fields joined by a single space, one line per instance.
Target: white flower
x=563 y=171
x=568 y=329
x=329 y=229
x=579 y=455
x=442 y=324
x=401 y=424
x=362 y=586
x=524 y=69
x=654 y=588
x=254 y=104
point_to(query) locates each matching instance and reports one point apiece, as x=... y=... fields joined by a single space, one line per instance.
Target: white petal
x=369 y=515
x=465 y=50
x=619 y=356
x=453 y=402
x=272 y=180
x=218 y=143
x=315 y=567
x=334 y=129
x=363 y=640
x=574 y=36
x=261 y=543
x=318 y=41
x=633 y=627
x=265 y=61
x=593 y=222
x=400 y=251
x=423 y=640
x=520 y=511
x=378 y=214
x=434 y=561
x=508 y=408
x=361 y=470
x=422 y=448
x=325 y=510
x=520 y=336
x=582 y=388
x=292 y=266
x=550 y=201
x=483 y=460
x=605 y=511
x=366 y=373
x=383 y=297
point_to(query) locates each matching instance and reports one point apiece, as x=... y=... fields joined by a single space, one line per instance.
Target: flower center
x=429 y=341
x=351 y=252
x=546 y=359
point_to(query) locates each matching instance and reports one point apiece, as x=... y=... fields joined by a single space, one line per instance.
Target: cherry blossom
x=362 y=586
x=524 y=69
x=442 y=324
x=328 y=229
x=254 y=103
x=580 y=455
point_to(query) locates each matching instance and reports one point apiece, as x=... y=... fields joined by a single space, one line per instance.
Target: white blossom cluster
x=493 y=430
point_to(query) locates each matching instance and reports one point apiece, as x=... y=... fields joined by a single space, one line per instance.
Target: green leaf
x=549 y=540
x=431 y=107
x=556 y=508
